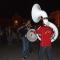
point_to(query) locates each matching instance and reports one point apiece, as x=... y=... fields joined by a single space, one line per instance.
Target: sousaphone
x=36 y=12
x=31 y=36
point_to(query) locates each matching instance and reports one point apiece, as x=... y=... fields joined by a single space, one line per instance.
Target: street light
x=16 y=22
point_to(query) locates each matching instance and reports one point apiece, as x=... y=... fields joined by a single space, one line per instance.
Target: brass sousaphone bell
x=31 y=36
x=36 y=12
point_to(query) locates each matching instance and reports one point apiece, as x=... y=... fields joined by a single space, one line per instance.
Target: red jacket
x=46 y=34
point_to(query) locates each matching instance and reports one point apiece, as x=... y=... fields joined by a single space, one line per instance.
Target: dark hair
x=41 y=23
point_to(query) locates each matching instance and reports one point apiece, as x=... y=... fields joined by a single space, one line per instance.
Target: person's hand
x=52 y=40
x=25 y=35
x=38 y=37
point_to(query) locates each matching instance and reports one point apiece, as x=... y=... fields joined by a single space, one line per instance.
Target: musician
x=45 y=35
x=25 y=42
x=46 y=32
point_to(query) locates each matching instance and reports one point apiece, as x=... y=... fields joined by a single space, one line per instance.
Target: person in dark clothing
x=25 y=42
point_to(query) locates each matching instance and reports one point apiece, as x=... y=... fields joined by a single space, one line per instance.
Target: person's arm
x=20 y=28
x=38 y=37
x=38 y=33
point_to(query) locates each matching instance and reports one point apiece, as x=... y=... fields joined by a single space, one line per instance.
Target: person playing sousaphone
x=47 y=32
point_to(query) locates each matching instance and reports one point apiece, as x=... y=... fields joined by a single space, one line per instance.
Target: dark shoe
x=24 y=58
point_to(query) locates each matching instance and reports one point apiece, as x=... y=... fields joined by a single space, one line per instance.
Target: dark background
x=9 y=8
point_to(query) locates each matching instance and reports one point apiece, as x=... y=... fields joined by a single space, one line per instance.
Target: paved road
x=12 y=52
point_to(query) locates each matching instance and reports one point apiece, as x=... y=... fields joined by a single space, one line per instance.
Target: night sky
x=9 y=8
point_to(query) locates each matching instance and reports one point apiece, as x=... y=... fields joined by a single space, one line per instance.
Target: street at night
x=13 y=52
x=21 y=21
